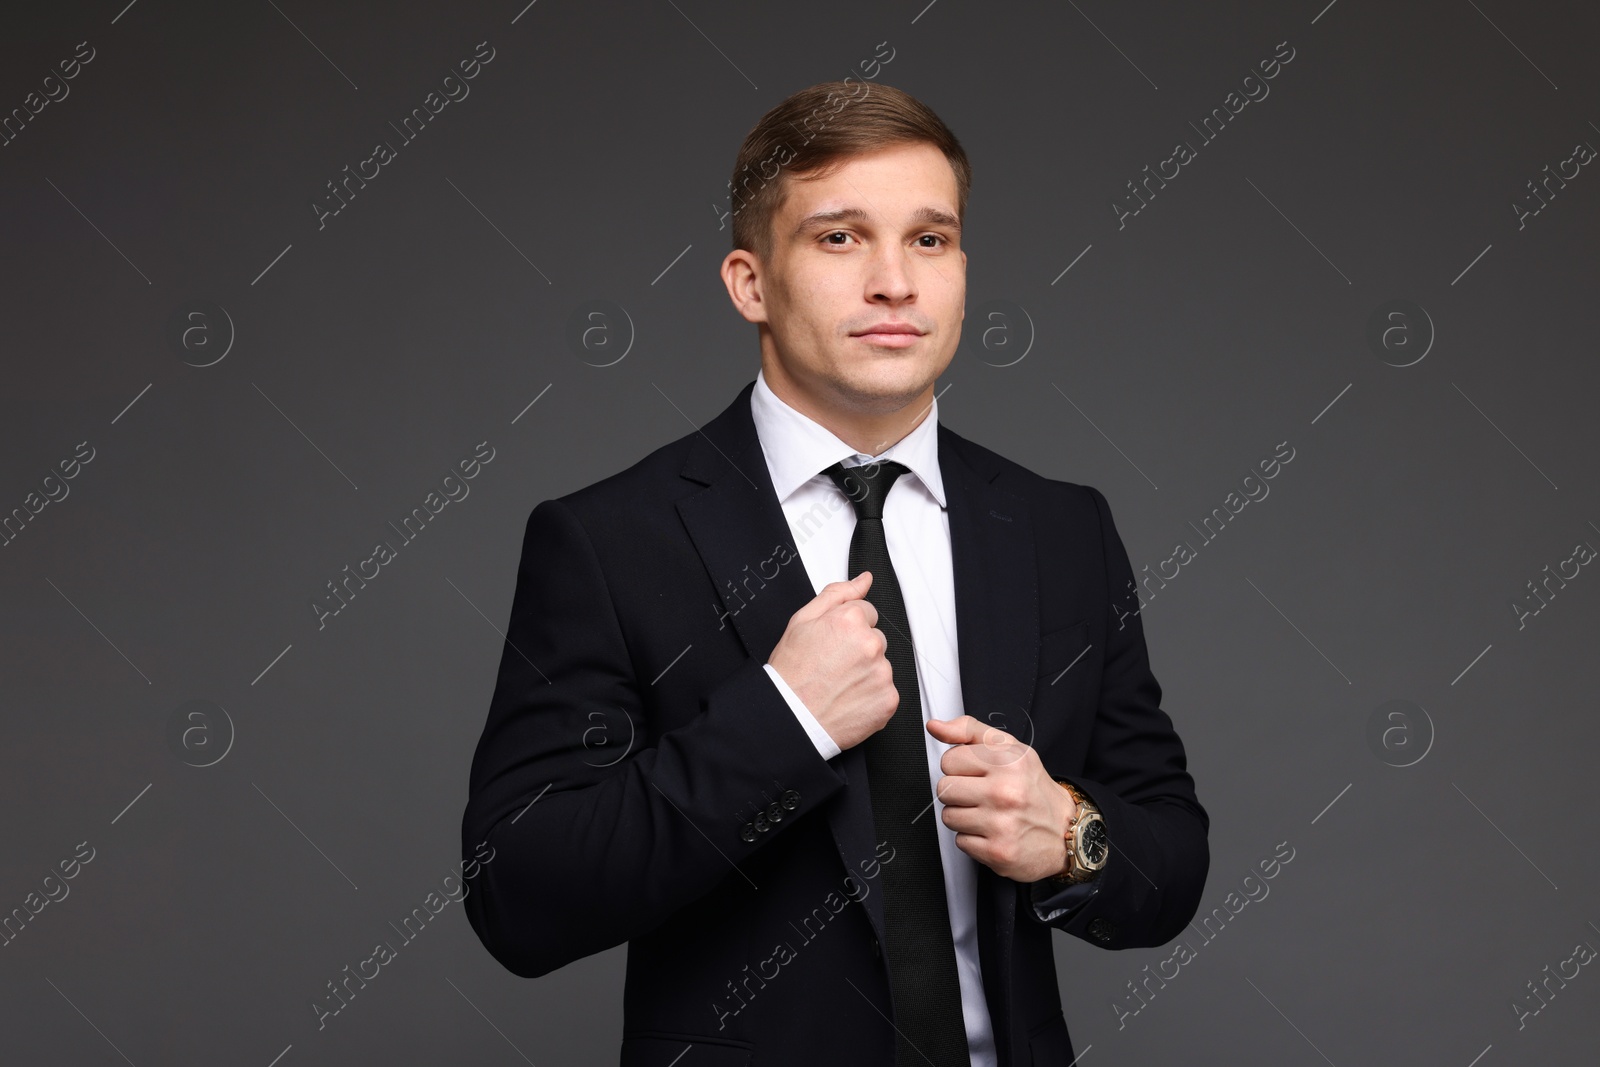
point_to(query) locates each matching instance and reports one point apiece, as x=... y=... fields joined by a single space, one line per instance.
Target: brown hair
x=811 y=131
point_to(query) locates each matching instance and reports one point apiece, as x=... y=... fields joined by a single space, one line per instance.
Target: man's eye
x=837 y=233
x=931 y=237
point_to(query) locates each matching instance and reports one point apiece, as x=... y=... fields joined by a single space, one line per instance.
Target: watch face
x=1094 y=843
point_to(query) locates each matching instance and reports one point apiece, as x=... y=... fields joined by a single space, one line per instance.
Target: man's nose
x=890 y=279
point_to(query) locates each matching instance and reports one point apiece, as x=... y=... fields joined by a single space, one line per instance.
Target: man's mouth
x=890 y=334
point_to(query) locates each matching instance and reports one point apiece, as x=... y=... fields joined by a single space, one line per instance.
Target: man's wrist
x=823 y=741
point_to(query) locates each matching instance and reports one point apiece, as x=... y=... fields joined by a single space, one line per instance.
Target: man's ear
x=742 y=274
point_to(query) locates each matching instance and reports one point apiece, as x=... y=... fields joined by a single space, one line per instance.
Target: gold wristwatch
x=1088 y=847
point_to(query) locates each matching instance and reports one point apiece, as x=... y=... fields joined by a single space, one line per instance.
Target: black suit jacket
x=641 y=779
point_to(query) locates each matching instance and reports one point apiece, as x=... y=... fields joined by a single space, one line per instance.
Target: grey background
x=369 y=356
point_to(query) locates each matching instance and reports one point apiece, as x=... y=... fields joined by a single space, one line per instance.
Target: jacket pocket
x=656 y=1049
x=1049 y=1045
x=1061 y=648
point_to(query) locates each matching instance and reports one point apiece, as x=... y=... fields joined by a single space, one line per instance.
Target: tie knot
x=868 y=485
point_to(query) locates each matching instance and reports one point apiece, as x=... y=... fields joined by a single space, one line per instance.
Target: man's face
x=864 y=288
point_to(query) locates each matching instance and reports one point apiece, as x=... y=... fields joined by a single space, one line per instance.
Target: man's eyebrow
x=927 y=216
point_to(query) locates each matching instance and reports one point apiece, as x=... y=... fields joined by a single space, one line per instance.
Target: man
x=833 y=760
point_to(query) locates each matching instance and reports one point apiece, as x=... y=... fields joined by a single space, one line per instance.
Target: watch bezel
x=1081 y=858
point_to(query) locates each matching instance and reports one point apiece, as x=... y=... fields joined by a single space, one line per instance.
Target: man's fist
x=832 y=655
x=1006 y=810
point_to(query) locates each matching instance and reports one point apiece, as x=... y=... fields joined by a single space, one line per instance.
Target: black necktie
x=919 y=947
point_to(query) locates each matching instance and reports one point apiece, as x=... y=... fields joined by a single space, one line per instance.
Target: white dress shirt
x=917 y=528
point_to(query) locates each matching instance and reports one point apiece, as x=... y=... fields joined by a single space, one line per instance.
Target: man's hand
x=1008 y=813
x=833 y=656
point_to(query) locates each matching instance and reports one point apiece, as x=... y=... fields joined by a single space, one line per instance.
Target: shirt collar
x=797 y=447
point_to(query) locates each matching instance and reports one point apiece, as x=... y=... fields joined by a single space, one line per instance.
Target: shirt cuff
x=1050 y=904
x=827 y=748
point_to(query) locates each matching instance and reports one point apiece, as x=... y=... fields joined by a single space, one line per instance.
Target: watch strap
x=1072 y=874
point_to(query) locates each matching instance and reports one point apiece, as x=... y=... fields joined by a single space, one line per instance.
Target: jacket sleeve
x=1136 y=774
x=598 y=827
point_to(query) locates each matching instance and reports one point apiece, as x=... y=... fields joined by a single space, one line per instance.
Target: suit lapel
x=997 y=638
x=736 y=523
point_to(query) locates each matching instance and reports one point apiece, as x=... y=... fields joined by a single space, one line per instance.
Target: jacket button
x=774 y=812
x=1102 y=929
x=790 y=799
x=760 y=822
x=747 y=832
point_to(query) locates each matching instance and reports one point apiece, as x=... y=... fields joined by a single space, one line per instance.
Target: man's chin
x=886 y=385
